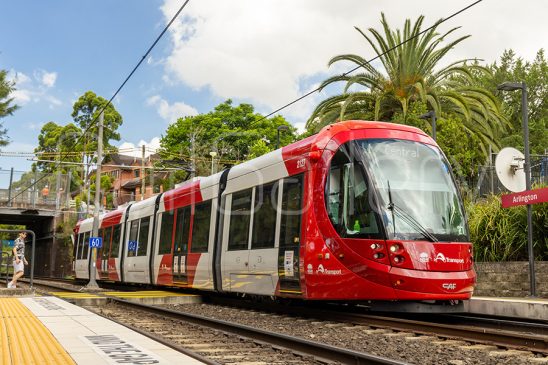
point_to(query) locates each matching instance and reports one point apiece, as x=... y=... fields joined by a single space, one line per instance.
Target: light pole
x=431 y=114
x=213 y=154
x=280 y=128
x=512 y=86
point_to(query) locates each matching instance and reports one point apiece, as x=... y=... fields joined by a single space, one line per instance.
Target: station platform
x=49 y=330
x=531 y=308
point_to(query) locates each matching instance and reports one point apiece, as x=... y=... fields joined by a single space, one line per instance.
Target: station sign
x=525 y=197
x=9 y=243
x=96 y=242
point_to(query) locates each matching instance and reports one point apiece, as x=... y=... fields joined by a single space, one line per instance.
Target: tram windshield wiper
x=407 y=218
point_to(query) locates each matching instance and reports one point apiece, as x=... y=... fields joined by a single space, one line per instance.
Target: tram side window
x=166 y=233
x=132 y=244
x=75 y=244
x=290 y=225
x=100 y=233
x=240 y=212
x=142 y=246
x=200 y=228
x=106 y=242
x=114 y=251
x=85 y=246
x=264 y=218
x=80 y=246
x=181 y=230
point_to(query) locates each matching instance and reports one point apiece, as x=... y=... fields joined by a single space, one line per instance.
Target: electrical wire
x=372 y=59
x=123 y=83
x=443 y=20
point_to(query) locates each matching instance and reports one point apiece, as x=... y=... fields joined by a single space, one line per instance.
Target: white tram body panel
x=137 y=247
x=244 y=267
x=82 y=252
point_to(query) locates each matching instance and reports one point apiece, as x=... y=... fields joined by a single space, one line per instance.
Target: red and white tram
x=359 y=211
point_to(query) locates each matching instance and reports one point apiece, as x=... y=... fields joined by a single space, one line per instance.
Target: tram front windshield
x=418 y=196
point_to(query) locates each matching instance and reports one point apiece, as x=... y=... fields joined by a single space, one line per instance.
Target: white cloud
x=172 y=112
x=35 y=89
x=49 y=78
x=130 y=149
x=265 y=51
x=21 y=96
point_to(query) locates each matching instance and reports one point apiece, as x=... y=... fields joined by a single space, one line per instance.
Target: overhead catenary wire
x=443 y=20
x=122 y=85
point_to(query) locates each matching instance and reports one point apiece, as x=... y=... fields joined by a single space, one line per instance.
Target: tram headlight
x=398 y=259
x=378 y=256
x=375 y=246
x=394 y=248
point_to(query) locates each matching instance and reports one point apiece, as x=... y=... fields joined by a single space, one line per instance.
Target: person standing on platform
x=19 y=260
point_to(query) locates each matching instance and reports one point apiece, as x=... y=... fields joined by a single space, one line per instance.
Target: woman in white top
x=18 y=259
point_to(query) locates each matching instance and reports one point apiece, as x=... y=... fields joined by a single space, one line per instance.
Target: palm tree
x=410 y=74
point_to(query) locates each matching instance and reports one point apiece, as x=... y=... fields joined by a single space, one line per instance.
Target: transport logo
x=441 y=257
x=323 y=271
x=449 y=286
x=424 y=257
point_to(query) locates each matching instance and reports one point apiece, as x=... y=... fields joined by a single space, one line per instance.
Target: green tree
x=85 y=111
x=56 y=144
x=228 y=130
x=7 y=107
x=535 y=74
x=409 y=74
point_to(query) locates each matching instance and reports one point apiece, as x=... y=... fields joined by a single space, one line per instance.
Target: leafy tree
x=228 y=130
x=535 y=74
x=85 y=112
x=409 y=75
x=6 y=103
x=56 y=144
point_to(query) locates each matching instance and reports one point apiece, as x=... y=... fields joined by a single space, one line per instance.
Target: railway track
x=221 y=341
x=506 y=333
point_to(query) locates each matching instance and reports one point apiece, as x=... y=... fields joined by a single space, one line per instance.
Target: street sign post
x=95 y=242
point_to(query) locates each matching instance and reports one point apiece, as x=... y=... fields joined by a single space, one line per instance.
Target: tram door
x=180 y=248
x=290 y=235
x=104 y=254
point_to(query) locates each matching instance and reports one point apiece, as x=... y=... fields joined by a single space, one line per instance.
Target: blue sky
x=263 y=52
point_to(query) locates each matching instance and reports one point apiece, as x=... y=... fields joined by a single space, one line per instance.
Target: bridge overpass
x=50 y=216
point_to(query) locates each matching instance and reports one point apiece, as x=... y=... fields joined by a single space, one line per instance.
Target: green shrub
x=500 y=234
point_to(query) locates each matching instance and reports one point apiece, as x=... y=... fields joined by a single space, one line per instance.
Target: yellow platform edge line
x=25 y=338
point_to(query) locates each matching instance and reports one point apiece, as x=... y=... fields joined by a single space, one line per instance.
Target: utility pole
x=10 y=203
x=92 y=282
x=143 y=172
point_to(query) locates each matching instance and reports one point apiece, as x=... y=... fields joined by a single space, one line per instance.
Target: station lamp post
x=431 y=114
x=512 y=86
x=280 y=128
x=213 y=154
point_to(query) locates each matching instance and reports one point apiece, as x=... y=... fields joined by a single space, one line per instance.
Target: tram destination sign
x=525 y=197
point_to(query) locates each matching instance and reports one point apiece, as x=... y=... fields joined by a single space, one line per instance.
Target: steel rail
x=475 y=334
x=322 y=352
x=319 y=351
